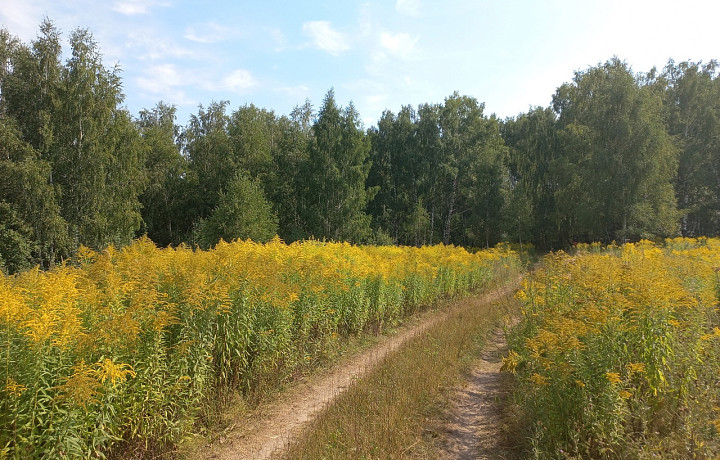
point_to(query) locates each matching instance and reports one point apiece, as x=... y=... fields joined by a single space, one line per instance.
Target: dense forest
x=618 y=156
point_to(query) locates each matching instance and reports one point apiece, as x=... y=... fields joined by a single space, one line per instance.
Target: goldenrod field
x=127 y=349
x=617 y=354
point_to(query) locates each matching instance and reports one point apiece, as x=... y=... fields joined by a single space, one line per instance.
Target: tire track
x=269 y=429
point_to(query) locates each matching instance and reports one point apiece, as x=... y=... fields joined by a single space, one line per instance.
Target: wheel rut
x=266 y=432
x=472 y=426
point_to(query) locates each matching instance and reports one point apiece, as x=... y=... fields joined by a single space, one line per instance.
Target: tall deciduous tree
x=87 y=159
x=253 y=134
x=165 y=200
x=30 y=199
x=397 y=208
x=429 y=144
x=208 y=148
x=25 y=172
x=692 y=114
x=286 y=184
x=473 y=166
x=96 y=153
x=614 y=134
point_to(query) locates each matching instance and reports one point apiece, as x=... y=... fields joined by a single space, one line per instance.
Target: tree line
x=618 y=156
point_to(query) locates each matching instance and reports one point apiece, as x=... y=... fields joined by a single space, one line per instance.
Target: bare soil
x=474 y=417
x=265 y=433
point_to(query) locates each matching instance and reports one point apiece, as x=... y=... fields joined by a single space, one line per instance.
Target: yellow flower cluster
x=140 y=337
x=613 y=338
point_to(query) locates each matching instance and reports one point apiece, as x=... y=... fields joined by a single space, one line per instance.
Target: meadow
x=126 y=351
x=617 y=353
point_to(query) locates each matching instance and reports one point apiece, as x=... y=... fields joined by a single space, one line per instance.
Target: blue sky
x=380 y=54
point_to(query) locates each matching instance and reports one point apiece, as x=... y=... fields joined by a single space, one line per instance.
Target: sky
x=381 y=55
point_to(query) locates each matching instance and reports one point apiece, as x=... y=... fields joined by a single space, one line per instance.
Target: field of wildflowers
x=617 y=354
x=126 y=349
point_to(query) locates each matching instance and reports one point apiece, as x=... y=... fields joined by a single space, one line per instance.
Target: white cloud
x=21 y=19
x=278 y=38
x=148 y=46
x=208 y=33
x=135 y=7
x=298 y=92
x=168 y=79
x=366 y=20
x=325 y=37
x=159 y=78
x=408 y=7
x=400 y=44
x=166 y=82
x=239 y=81
x=376 y=103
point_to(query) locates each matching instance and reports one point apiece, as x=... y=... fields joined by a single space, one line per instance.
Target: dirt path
x=270 y=428
x=473 y=427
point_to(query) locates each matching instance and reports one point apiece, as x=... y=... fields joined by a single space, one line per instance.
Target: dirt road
x=269 y=429
x=474 y=417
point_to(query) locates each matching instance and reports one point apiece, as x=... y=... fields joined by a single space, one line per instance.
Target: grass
x=385 y=414
x=236 y=409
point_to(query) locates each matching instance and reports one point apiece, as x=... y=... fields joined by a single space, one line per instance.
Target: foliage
x=166 y=219
x=73 y=150
x=16 y=245
x=334 y=175
x=440 y=174
x=691 y=96
x=599 y=165
x=618 y=156
x=617 y=354
x=613 y=133
x=129 y=348
x=242 y=213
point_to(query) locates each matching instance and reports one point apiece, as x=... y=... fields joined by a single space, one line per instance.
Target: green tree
x=396 y=175
x=242 y=213
x=527 y=142
x=70 y=114
x=471 y=172
x=335 y=174
x=692 y=117
x=29 y=79
x=286 y=184
x=253 y=134
x=166 y=219
x=25 y=189
x=430 y=161
x=208 y=148
x=613 y=132
x=16 y=243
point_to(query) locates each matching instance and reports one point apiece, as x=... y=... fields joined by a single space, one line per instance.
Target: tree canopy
x=618 y=156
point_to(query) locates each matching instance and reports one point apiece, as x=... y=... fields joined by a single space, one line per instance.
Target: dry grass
x=386 y=414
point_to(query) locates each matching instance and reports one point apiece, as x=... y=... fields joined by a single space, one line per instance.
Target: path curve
x=271 y=427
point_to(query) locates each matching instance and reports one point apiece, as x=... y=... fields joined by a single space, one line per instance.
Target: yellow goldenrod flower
x=635 y=368
x=13 y=388
x=613 y=377
x=539 y=380
x=510 y=362
x=107 y=369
